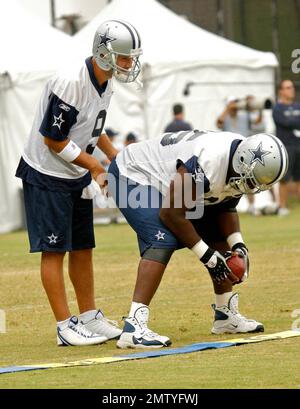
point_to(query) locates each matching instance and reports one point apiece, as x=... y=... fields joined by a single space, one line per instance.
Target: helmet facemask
x=246 y=183
x=123 y=74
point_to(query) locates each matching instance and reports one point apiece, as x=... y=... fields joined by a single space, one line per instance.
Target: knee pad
x=160 y=255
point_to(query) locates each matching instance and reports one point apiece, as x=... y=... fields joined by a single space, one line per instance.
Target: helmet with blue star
x=260 y=161
x=115 y=38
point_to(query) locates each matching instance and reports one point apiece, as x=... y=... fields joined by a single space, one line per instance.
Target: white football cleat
x=228 y=320
x=75 y=334
x=136 y=333
x=283 y=211
x=102 y=326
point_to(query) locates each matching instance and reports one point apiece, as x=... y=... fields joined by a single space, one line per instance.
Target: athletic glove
x=216 y=265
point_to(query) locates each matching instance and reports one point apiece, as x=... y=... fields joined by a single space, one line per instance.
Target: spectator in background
x=245 y=121
x=286 y=115
x=111 y=133
x=240 y=117
x=178 y=123
x=130 y=138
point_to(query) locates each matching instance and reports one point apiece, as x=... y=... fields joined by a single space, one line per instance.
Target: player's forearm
x=82 y=158
x=181 y=227
x=173 y=216
x=89 y=162
x=107 y=147
x=229 y=223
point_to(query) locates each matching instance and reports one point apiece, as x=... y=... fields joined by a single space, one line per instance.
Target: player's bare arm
x=229 y=222
x=107 y=147
x=83 y=159
x=175 y=218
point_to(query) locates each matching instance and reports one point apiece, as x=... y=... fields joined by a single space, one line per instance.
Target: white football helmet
x=260 y=160
x=113 y=38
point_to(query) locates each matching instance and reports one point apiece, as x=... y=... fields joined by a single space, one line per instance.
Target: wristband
x=200 y=248
x=240 y=246
x=70 y=152
x=202 y=251
x=234 y=238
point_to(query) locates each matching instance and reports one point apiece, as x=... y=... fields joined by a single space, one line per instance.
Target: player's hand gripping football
x=242 y=251
x=218 y=268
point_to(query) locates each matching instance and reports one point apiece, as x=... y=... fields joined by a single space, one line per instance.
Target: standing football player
x=59 y=173
x=152 y=181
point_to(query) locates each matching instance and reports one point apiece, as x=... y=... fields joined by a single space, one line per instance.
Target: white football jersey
x=154 y=162
x=73 y=106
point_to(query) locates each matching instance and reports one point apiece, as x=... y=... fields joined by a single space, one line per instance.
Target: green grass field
x=181 y=310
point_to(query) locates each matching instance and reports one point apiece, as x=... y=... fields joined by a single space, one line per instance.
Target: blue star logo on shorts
x=52 y=239
x=160 y=235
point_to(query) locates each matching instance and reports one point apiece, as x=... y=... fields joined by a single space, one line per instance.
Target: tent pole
x=52 y=12
x=243 y=22
x=220 y=18
x=275 y=36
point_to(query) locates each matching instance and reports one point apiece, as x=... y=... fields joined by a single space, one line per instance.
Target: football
x=237 y=265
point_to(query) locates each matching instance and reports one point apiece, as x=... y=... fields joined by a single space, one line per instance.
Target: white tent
x=177 y=53
x=86 y=9
x=30 y=52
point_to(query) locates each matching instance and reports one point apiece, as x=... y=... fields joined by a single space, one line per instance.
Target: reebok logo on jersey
x=64 y=107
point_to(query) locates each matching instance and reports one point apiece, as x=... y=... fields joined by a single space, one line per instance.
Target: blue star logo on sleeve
x=58 y=121
x=52 y=238
x=105 y=38
x=160 y=235
x=258 y=154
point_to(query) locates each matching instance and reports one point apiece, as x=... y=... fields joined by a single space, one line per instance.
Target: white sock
x=134 y=307
x=222 y=299
x=63 y=324
x=88 y=315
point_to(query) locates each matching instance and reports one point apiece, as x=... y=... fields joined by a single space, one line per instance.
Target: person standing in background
x=245 y=121
x=178 y=123
x=130 y=138
x=286 y=115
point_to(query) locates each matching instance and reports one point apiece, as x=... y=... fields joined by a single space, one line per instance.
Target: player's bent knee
x=159 y=255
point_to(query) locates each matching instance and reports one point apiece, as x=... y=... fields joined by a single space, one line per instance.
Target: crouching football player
x=225 y=165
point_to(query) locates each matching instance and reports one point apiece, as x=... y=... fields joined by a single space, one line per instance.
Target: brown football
x=237 y=265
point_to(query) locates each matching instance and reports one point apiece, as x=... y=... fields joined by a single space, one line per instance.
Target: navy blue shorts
x=58 y=221
x=145 y=220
